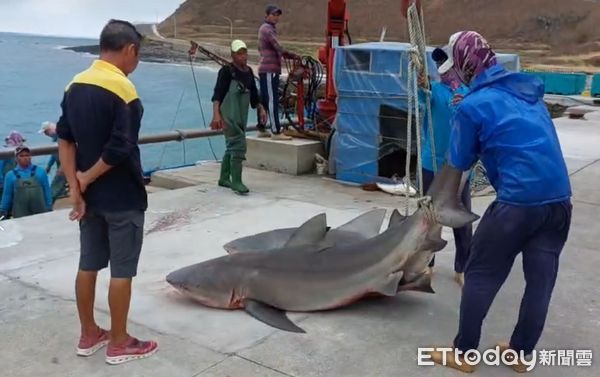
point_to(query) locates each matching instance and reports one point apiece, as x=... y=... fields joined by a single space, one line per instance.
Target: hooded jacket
x=442 y=110
x=504 y=122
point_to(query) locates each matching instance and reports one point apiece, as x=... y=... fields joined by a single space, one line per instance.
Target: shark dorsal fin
x=312 y=231
x=368 y=224
x=272 y=239
x=396 y=218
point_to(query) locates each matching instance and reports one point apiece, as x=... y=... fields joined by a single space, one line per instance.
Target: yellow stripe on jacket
x=109 y=77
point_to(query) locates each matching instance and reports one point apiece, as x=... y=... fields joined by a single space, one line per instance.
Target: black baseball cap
x=273 y=9
x=439 y=55
x=21 y=148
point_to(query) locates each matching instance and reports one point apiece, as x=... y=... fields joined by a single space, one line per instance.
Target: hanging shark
x=326 y=274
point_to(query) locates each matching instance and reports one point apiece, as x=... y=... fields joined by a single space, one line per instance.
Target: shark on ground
x=314 y=272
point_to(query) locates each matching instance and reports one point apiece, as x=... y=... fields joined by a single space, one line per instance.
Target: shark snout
x=177 y=279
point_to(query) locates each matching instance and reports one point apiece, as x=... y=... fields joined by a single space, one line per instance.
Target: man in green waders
x=234 y=93
x=26 y=188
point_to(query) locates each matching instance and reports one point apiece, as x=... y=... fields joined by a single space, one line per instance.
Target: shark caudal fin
x=444 y=193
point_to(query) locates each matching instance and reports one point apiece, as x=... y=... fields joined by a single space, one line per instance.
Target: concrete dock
x=379 y=337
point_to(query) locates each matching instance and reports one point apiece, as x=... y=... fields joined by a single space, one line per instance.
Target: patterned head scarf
x=451 y=79
x=14 y=139
x=471 y=55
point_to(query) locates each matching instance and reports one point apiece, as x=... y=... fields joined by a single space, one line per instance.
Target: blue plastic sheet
x=371 y=81
x=595 y=92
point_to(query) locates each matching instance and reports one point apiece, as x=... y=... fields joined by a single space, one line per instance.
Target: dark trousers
x=540 y=233
x=261 y=127
x=269 y=91
x=462 y=236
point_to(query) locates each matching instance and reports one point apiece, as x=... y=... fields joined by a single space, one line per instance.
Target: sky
x=78 y=18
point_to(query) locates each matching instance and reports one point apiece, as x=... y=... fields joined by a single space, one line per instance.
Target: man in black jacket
x=98 y=150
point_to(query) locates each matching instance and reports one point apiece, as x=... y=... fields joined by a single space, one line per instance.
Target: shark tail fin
x=444 y=193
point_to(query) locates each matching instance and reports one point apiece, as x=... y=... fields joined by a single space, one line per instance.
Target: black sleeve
x=222 y=85
x=254 y=95
x=124 y=135
x=63 y=128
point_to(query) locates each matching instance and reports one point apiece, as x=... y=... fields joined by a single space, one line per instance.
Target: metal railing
x=175 y=135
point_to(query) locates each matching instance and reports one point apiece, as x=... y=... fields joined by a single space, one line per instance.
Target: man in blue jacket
x=26 y=188
x=504 y=122
x=13 y=139
x=445 y=96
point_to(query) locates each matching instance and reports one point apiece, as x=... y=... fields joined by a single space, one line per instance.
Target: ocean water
x=34 y=71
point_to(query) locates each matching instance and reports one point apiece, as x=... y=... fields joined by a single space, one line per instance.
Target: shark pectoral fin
x=396 y=218
x=390 y=286
x=271 y=316
x=421 y=284
x=311 y=231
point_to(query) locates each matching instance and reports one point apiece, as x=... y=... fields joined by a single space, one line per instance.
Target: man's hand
x=78 y=210
x=262 y=115
x=217 y=123
x=83 y=180
x=291 y=55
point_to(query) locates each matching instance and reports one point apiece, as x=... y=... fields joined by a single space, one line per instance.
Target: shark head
x=206 y=283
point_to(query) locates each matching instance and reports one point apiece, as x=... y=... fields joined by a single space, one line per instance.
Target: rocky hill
x=555 y=33
x=562 y=24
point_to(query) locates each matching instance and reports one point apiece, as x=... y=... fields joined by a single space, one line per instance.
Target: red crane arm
x=337 y=28
x=337 y=23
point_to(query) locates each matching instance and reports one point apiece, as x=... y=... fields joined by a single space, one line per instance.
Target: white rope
x=416 y=64
x=428 y=94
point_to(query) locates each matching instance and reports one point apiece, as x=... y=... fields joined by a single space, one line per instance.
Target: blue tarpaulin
x=371 y=121
x=595 y=92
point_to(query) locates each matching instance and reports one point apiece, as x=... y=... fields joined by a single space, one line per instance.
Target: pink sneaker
x=89 y=345
x=133 y=349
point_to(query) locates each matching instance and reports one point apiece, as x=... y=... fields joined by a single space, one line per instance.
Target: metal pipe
x=230 y=26
x=175 y=135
